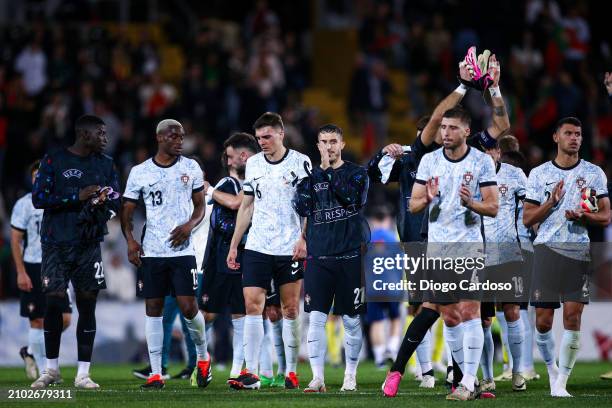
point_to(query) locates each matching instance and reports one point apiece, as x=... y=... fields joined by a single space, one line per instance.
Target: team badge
x=205 y=298
x=503 y=189
x=580 y=182
x=45 y=281
x=31 y=307
x=307 y=299
x=185 y=179
x=468 y=177
x=536 y=295
x=140 y=285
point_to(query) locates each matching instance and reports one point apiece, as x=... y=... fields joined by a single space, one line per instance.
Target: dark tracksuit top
x=332 y=200
x=61 y=176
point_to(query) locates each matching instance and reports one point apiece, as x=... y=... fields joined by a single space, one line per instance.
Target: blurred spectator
x=32 y=64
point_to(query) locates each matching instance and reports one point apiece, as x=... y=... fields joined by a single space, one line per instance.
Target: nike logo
x=270 y=296
x=293 y=272
x=89 y=331
x=413 y=341
x=312 y=341
x=100 y=281
x=458 y=350
x=291 y=346
x=152 y=184
x=257 y=178
x=549 y=184
x=473 y=348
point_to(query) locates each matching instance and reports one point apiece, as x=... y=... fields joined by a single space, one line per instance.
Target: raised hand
x=432 y=187
x=394 y=150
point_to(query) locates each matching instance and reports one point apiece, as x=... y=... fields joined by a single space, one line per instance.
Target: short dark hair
x=241 y=139
x=330 y=128
x=422 y=122
x=272 y=119
x=570 y=120
x=508 y=143
x=87 y=122
x=458 y=113
x=34 y=166
x=515 y=158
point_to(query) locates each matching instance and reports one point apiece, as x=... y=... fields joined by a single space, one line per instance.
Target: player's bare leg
x=290 y=304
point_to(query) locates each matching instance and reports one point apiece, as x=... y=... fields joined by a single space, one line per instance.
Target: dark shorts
x=378 y=311
x=273 y=295
x=259 y=269
x=512 y=274
x=33 y=304
x=159 y=277
x=224 y=290
x=487 y=309
x=334 y=280
x=558 y=278
x=445 y=297
x=81 y=265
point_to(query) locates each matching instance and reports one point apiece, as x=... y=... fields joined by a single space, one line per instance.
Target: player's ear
x=556 y=136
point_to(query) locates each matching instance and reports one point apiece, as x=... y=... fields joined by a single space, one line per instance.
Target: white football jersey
x=475 y=170
x=275 y=226
x=556 y=231
x=26 y=218
x=501 y=234
x=166 y=192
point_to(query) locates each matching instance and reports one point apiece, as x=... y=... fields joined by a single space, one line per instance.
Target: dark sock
x=457 y=374
x=86 y=326
x=413 y=337
x=53 y=325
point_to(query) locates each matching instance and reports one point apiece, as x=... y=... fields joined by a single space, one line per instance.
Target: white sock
x=503 y=325
x=394 y=345
x=379 y=353
x=516 y=337
x=353 y=340
x=83 y=367
x=423 y=352
x=36 y=347
x=317 y=343
x=237 y=347
x=52 y=364
x=473 y=341
x=488 y=350
x=291 y=339
x=154 y=333
x=208 y=329
x=265 y=358
x=527 y=353
x=279 y=346
x=570 y=344
x=253 y=336
x=454 y=338
x=449 y=355
x=197 y=331
x=546 y=345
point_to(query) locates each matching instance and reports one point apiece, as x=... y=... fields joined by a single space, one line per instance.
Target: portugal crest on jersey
x=580 y=182
x=503 y=189
x=467 y=178
x=185 y=179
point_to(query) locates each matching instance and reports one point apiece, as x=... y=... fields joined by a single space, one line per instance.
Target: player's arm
x=535 y=212
x=423 y=193
x=500 y=123
x=227 y=200
x=350 y=191
x=44 y=194
x=490 y=201
x=182 y=233
x=127 y=226
x=243 y=220
x=431 y=129
x=23 y=280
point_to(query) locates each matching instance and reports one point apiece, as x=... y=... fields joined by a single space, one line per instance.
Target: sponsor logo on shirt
x=73 y=173
x=321 y=186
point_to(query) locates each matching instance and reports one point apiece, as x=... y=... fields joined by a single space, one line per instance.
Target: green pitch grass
x=121 y=390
